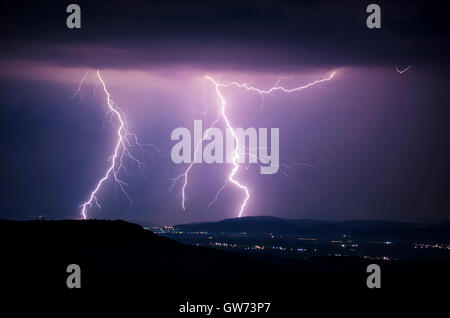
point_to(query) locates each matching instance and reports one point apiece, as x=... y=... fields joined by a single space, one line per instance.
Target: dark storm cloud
x=239 y=34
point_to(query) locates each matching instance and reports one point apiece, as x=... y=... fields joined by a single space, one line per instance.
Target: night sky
x=374 y=142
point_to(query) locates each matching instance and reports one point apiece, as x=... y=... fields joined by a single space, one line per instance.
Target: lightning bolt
x=77 y=91
x=231 y=177
x=402 y=71
x=186 y=172
x=274 y=88
x=125 y=140
x=222 y=114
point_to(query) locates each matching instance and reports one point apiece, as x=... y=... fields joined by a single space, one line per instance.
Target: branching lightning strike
x=402 y=71
x=222 y=114
x=231 y=177
x=125 y=140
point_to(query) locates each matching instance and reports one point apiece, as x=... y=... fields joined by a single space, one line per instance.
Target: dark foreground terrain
x=122 y=258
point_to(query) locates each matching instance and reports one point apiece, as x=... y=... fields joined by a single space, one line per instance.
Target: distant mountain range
x=375 y=230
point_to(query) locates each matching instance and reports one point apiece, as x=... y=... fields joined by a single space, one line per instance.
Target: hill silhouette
x=122 y=257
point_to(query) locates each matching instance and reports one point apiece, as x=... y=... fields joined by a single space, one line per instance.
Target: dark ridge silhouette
x=374 y=230
x=123 y=258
